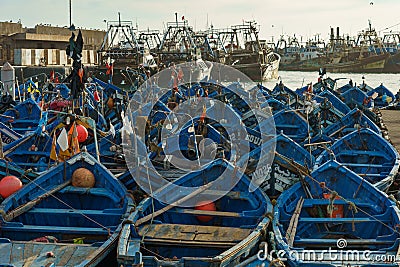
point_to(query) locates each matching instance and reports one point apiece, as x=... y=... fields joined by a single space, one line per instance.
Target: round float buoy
x=9 y=185
x=82 y=133
x=205 y=205
x=83 y=178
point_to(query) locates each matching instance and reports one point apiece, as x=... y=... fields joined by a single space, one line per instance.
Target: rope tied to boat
x=3 y=213
x=276 y=263
x=352 y=206
x=330 y=208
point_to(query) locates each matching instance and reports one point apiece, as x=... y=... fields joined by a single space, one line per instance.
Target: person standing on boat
x=366 y=101
x=384 y=98
x=110 y=71
x=351 y=82
x=398 y=96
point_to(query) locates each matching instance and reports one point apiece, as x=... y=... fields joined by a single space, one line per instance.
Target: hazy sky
x=304 y=18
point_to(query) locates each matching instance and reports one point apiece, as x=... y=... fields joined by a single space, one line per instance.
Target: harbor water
x=298 y=79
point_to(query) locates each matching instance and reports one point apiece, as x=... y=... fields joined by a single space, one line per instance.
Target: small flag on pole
x=62 y=140
x=53 y=153
x=74 y=144
x=112 y=130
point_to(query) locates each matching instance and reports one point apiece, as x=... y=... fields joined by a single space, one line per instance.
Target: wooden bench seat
x=193 y=235
x=332 y=242
x=64 y=212
x=55 y=229
x=337 y=220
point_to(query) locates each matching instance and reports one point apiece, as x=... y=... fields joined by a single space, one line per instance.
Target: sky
x=306 y=18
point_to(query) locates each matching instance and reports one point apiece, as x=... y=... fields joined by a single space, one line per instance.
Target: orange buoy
x=337 y=211
x=205 y=205
x=110 y=103
x=9 y=185
x=82 y=177
x=82 y=133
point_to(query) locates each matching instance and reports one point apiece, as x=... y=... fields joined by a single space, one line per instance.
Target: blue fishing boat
x=275 y=105
x=328 y=111
x=175 y=236
x=352 y=121
x=9 y=168
x=32 y=151
x=384 y=97
x=23 y=117
x=355 y=97
x=327 y=84
x=344 y=88
x=367 y=154
x=197 y=139
x=291 y=124
x=288 y=158
x=8 y=135
x=317 y=144
x=322 y=115
x=287 y=96
x=335 y=208
x=336 y=102
x=69 y=216
x=259 y=261
x=109 y=150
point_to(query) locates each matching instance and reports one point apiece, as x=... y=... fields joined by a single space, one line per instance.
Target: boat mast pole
x=70 y=13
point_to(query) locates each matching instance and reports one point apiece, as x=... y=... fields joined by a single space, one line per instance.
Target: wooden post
x=1 y=148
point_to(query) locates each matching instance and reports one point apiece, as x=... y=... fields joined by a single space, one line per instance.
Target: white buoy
x=8 y=79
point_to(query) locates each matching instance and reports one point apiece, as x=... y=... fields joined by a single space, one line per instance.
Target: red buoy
x=96 y=96
x=82 y=133
x=9 y=185
x=205 y=205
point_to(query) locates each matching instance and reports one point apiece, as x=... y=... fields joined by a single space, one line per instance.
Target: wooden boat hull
x=180 y=238
x=79 y=225
x=367 y=154
x=371 y=64
x=302 y=219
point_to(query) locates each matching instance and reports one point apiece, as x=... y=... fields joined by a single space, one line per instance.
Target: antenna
x=70 y=13
x=71 y=26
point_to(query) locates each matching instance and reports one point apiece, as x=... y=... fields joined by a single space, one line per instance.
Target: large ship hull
x=261 y=72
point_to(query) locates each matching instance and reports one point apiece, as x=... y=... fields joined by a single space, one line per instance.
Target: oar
x=29 y=205
x=302 y=171
x=294 y=220
x=174 y=204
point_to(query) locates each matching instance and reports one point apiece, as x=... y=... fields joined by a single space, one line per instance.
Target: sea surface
x=298 y=79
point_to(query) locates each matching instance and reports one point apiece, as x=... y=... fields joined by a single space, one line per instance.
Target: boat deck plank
x=194 y=233
x=5 y=252
x=25 y=254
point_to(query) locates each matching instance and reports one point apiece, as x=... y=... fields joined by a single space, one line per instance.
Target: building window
x=8 y=52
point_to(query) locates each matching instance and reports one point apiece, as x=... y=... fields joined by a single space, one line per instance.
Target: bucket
x=337 y=209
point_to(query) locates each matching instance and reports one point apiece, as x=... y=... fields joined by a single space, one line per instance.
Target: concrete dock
x=391 y=119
